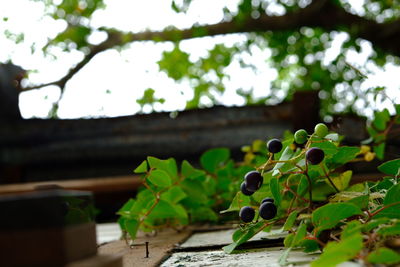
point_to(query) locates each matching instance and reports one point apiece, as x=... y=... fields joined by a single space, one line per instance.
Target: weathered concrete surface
x=255 y=257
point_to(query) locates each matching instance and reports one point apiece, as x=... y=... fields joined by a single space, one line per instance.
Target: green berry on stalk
x=253 y=181
x=321 y=130
x=267 y=210
x=315 y=155
x=244 y=190
x=247 y=214
x=300 y=136
x=274 y=146
x=267 y=199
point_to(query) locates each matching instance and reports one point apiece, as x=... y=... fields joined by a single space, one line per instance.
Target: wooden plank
x=159 y=246
x=95 y=185
x=35 y=150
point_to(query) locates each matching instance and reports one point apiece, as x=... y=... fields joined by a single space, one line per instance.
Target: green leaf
x=162 y=210
x=380 y=151
x=214 y=158
x=303 y=186
x=142 y=168
x=360 y=201
x=353 y=227
x=329 y=215
x=392 y=195
x=328 y=147
x=127 y=206
x=338 y=252
x=195 y=193
x=188 y=171
x=167 y=165
x=300 y=234
x=240 y=200
x=374 y=223
x=342 y=180
x=342 y=156
x=203 y=214
x=390 y=167
x=384 y=255
x=390 y=230
x=132 y=226
x=181 y=213
x=244 y=235
x=173 y=195
x=276 y=191
x=142 y=200
x=309 y=245
x=290 y=220
x=288 y=241
x=286 y=155
x=160 y=178
x=392 y=200
x=381 y=119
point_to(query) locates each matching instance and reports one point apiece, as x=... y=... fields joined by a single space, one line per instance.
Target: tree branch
x=321 y=13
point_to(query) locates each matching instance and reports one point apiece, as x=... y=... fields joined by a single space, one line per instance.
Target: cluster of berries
x=314 y=155
x=253 y=179
x=267 y=210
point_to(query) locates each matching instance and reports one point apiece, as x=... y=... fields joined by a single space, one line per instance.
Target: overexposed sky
x=110 y=84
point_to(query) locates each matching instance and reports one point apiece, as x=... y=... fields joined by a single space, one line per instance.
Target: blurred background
x=89 y=88
x=104 y=58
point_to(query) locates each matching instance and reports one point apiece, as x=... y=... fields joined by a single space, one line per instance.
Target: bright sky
x=111 y=83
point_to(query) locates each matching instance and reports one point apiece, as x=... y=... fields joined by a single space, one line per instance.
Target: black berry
x=244 y=190
x=253 y=181
x=267 y=199
x=267 y=210
x=246 y=214
x=274 y=145
x=315 y=155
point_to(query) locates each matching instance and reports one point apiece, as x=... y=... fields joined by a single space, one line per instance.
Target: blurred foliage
x=299 y=56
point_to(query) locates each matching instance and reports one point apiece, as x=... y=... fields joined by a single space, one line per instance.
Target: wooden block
x=47 y=247
x=46 y=228
x=45 y=209
x=98 y=261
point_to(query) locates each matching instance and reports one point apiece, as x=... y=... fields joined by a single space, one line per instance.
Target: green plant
x=303 y=188
x=319 y=208
x=174 y=198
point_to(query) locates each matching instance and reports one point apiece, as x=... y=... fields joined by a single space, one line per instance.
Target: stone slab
x=242 y=258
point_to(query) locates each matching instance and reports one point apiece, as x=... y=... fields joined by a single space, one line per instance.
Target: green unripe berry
x=321 y=130
x=300 y=136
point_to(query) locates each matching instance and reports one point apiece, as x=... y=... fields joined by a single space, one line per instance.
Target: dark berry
x=300 y=136
x=253 y=181
x=315 y=155
x=274 y=145
x=267 y=210
x=246 y=214
x=244 y=189
x=267 y=199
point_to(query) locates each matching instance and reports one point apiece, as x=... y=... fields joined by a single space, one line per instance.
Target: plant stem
x=329 y=179
x=309 y=186
x=383 y=208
